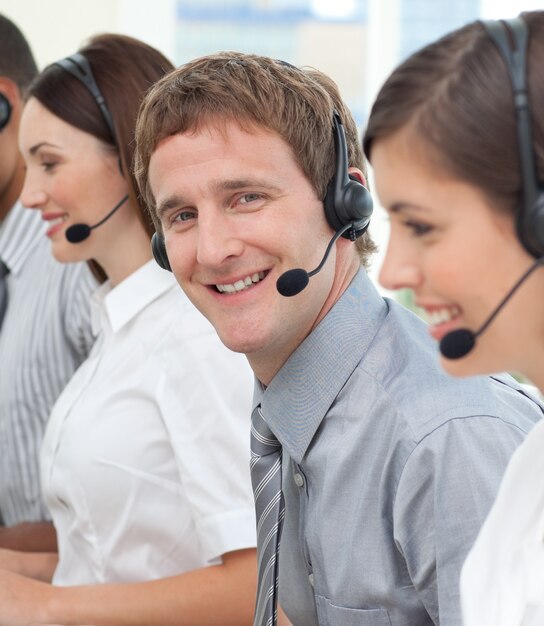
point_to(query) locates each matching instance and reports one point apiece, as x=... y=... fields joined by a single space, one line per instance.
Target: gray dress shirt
x=389 y=467
x=45 y=336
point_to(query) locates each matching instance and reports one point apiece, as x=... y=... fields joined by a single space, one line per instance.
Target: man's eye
x=184 y=216
x=250 y=197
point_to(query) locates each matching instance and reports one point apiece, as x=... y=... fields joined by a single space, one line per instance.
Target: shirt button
x=311 y=579
x=299 y=480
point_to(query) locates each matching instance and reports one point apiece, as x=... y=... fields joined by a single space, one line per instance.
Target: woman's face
x=71 y=177
x=459 y=256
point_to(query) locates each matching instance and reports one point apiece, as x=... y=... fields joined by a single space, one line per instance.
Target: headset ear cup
x=354 y=205
x=159 y=252
x=5 y=111
x=347 y=200
x=358 y=203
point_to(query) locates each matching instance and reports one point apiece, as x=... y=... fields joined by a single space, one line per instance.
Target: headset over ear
x=5 y=111
x=530 y=217
x=159 y=251
x=347 y=200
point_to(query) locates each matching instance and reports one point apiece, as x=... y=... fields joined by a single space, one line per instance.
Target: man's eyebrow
x=177 y=200
x=36 y=147
x=168 y=204
x=243 y=183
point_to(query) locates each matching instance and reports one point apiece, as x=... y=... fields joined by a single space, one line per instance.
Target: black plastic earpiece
x=159 y=251
x=347 y=199
x=5 y=111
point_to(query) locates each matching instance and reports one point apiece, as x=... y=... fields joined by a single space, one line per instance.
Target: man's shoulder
x=402 y=366
x=69 y=276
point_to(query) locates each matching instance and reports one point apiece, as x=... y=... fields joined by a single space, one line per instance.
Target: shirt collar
x=120 y=305
x=302 y=392
x=20 y=231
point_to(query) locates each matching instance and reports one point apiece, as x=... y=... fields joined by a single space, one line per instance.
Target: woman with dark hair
x=456 y=139
x=145 y=461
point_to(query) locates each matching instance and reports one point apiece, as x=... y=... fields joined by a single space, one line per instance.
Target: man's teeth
x=241 y=285
x=442 y=315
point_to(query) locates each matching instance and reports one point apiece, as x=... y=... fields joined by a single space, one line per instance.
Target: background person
x=459 y=167
x=144 y=462
x=389 y=466
x=45 y=325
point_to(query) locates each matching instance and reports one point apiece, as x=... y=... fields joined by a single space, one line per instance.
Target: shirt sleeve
x=206 y=404
x=444 y=494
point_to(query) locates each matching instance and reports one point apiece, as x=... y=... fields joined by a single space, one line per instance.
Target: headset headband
x=78 y=66
x=514 y=52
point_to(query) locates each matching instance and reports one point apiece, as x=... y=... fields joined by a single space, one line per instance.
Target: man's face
x=11 y=170
x=236 y=212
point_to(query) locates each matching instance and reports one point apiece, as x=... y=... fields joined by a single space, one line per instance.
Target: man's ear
x=10 y=90
x=358 y=174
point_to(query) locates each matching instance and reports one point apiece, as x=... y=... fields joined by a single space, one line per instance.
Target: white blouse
x=145 y=461
x=502 y=581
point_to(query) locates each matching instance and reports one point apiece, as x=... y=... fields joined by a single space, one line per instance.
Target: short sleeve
x=205 y=398
x=446 y=489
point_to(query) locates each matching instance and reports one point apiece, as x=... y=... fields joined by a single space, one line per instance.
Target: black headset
x=530 y=215
x=78 y=66
x=5 y=111
x=159 y=251
x=347 y=200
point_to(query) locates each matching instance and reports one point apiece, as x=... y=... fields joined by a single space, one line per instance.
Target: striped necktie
x=4 y=271
x=270 y=510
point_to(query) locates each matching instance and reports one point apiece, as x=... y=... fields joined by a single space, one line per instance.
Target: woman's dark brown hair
x=455 y=97
x=124 y=69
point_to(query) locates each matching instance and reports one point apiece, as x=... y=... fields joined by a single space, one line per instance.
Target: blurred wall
x=57 y=28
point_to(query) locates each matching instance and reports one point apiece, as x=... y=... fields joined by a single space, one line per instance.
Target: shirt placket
x=301 y=483
x=72 y=394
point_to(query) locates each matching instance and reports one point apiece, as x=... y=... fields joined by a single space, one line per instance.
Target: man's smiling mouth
x=242 y=284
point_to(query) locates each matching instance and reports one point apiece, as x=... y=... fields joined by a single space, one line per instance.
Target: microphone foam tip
x=292 y=282
x=77 y=233
x=457 y=344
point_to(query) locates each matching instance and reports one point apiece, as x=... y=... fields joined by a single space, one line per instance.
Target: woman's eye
x=419 y=228
x=48 y=166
